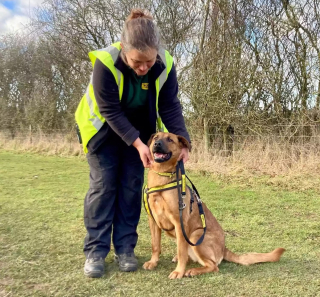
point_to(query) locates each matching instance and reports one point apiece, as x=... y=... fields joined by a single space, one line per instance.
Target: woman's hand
x=184 y=155
x=144 y=152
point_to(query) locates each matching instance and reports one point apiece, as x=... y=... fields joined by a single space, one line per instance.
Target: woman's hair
x=140 y=32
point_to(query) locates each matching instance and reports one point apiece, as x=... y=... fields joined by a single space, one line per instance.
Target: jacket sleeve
x=169 y=106
x=107 y=96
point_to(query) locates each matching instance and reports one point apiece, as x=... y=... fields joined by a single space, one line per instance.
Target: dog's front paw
x=191 y=272
x=176 y=274
x=150 y=265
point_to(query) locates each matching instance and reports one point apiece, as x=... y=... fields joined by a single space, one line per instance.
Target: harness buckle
x=198 y=199
x=182 y=206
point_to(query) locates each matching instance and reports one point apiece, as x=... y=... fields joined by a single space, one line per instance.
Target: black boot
x=94 y=267
x=127 y=262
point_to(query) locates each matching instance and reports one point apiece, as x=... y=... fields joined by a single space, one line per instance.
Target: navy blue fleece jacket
x=144 y=123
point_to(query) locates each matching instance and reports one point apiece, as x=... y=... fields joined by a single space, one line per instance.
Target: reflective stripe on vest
x=95 y=120
x=168 y=61
x=87 y=115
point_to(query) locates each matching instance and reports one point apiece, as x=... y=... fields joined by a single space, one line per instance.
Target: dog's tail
x=252 y=258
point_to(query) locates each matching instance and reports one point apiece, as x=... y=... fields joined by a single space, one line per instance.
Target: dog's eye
x=169 y=139
x=156 y=137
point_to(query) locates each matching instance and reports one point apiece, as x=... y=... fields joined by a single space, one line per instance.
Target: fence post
x=206 y=134
x=30 y=134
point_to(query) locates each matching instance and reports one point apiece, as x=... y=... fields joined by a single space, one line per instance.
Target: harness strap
x=147 y=205
x=169 y=186
x=182 y=206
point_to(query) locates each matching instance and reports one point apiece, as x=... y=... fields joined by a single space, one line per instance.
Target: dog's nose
x=157 y=143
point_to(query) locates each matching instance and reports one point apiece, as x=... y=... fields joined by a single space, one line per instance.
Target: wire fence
x=211 y=142
x=71 y=134
x=265 y=154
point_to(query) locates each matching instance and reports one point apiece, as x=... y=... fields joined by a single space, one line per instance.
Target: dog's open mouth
x=161 y=157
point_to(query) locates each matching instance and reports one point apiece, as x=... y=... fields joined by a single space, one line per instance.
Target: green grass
x=41 y=237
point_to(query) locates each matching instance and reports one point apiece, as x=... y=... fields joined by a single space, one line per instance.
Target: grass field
x=41 y=236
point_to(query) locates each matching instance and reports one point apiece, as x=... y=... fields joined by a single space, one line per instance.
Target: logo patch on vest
x=145 y=86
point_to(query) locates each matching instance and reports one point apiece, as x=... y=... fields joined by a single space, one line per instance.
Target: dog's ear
x=184 y=142
x=150 y=139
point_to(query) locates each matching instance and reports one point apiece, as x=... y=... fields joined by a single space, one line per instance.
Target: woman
x=133 y=88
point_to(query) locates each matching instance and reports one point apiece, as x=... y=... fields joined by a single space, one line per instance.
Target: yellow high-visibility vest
x=88 y=117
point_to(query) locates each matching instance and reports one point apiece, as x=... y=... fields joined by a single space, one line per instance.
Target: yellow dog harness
x=180 y=184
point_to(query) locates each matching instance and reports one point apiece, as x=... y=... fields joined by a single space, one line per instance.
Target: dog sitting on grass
x=163 y=207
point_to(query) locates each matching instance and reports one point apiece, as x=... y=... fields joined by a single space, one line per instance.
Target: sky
x=15 y=14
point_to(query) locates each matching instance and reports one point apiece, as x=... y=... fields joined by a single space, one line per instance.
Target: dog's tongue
x=159 y=155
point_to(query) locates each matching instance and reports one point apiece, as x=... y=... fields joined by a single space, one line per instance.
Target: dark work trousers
x=113 y=202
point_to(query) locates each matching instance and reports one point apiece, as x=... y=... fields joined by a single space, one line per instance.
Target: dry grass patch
x=269 y=160
x=62 y=144
x=276 y=163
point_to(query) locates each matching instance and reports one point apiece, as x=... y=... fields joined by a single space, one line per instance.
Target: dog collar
x=168 y=174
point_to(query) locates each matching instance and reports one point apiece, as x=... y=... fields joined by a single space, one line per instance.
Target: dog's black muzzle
x=160 y=152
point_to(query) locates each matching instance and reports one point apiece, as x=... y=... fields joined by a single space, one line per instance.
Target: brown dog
x=165 y=149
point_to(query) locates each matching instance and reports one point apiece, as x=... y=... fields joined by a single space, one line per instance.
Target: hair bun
x=140 y=32
x=139 y=13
